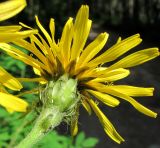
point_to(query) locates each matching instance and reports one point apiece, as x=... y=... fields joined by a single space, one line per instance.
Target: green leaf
x=90 y=142
x=79 y=139
x=4 y=137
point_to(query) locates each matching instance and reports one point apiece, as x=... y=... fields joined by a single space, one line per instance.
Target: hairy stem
x=48 y=119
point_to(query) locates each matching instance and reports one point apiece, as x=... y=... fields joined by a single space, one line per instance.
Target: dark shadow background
x=118 y=18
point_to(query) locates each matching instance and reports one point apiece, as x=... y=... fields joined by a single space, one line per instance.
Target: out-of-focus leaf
x=79 y=139
x=90 y=142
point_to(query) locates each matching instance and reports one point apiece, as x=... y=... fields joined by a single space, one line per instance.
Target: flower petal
x=81 y=31
x=111 y=76
x=86 y=106
x=132 y=90
x=116 y=50
x=105 y=98
x=11 y=8
x=46 y=34
x=9 y=81
x=107 y=125
x=136 y=58
x=74 y=123
x=65 y=42
x=92 y=49
x=13 y=103
x=14 y=28
x=17 y=54
x=11 y=36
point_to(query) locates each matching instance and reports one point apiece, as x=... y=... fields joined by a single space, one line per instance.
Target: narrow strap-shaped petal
x=32 y=49
x=65 y=42
x=132 y=90
x=13 y=103
x=111 y=76
x=11 y=8
x=106 y=89
x=74 y=127
x=74 y=123
x=13 y=28
x=31 y=79
x=119 y=40
x=38 y=80
x=105 y=98
x=92 y=49
x=52 y=28
x=107 y=125
x=134 y=103
x=86 y=106
x=81 y=31
x=116 y=50
x=136 y=58
x=12 y=51
x=51 y=43
x=11 y=36
x=9 y=81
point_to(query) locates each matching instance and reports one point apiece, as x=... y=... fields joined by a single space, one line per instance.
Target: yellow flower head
x=10 y=102
x=70 y=56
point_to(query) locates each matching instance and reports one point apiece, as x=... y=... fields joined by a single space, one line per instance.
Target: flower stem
x=48 y=119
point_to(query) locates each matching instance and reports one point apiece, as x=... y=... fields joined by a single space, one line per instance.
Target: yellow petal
x=86 y=106
x=65 y=41
x=11 y=36
x=74 y=123
x=133 y=102
x=136 y=58
x=132 y=90
x=14 y=28
x=92 y=49
x=9 y=81
x=10 y=8
x=113 y=75
x=116 y=50
x=50 y=41
x=106 y=99
x=31 y=79
x=36 y=71
x=52 y=28
x=107 y=125
x=13 y=103
x=15 y=53
x=25 y=26
x=81 y=31
x=119 y=40
x=24 y=44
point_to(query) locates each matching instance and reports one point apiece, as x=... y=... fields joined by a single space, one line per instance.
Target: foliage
x=59 y=141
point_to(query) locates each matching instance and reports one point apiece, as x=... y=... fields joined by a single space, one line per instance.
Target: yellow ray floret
x=13 y=103
x=108 y=127
x=9 y=81
x=10 y=8
x=10 y=102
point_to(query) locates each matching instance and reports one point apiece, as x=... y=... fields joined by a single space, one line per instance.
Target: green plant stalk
x=48 y=119
x=59 y=98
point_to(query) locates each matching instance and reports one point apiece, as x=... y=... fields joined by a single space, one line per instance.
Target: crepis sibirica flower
x=84 y=67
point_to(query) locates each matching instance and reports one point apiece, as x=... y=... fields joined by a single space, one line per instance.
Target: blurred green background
x=118 y=18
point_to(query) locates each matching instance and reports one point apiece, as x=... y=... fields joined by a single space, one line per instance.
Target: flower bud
x=61 y=93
